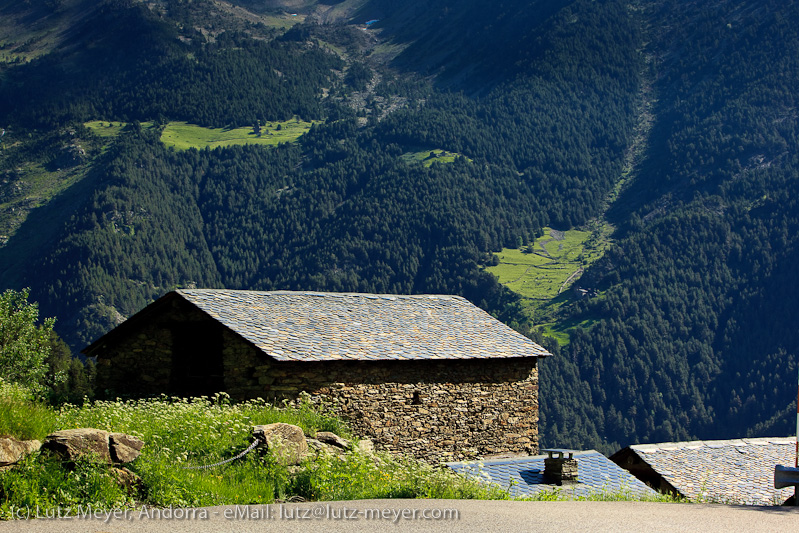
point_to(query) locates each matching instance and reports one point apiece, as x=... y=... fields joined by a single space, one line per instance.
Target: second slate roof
x=316 y=326
x=739 y=471
x=524 y=476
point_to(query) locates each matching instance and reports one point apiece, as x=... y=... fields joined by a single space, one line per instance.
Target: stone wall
x=140 y=365
x=140 y=362
x=442 y=410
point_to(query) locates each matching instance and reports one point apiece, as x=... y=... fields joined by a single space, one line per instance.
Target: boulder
x=124 y=448
x=285 y=441
x=320 y=448
x=109 y=448
x=13 y=450
x=71 y=444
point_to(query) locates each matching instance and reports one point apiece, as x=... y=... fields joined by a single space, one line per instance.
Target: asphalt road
x=427 y=515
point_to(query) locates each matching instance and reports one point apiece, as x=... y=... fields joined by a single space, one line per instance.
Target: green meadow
x=183 y=136
x=106 y=128
x=544 y=271
x=428 y=157
x=545 y=268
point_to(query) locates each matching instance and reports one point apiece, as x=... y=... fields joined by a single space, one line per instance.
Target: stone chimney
x=560 y=469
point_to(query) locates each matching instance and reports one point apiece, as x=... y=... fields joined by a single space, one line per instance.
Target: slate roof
x=317 y=326
x=739 y=471
x=596 y=474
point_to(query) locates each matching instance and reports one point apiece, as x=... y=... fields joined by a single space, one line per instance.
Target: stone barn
x=431 y=376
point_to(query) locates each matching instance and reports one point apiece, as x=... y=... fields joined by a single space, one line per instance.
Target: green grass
x=106 y=128
x=282 y=22
x=424 y=157
x=546 y=267
x=21 y=416
x=183 y=136
x=544 y=272
x=191 y=432
x=616 y=495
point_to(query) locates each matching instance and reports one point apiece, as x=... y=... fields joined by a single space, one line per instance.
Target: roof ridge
x=325 y=294
x=696 y=444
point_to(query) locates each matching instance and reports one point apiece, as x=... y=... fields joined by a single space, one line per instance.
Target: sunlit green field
x=109 y=128
x=183 y=136
x=428 y=157
x=546 y=267
x=545 y=271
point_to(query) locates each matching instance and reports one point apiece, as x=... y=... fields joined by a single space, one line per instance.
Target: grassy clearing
x=544 y=271
x=548 y=266
x=283 y=22
x=198 y=431
x=106 y=128
x=183 y=136
x=428 y=157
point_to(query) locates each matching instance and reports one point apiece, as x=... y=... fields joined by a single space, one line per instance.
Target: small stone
x=127 y=480
x=366 y=447
x=124 y=448
x=331 y=438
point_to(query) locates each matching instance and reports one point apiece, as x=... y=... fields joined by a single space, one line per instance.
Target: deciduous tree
x=24 y=344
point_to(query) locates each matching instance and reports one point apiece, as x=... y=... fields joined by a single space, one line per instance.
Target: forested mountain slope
x=695 y=337
x=547 y=106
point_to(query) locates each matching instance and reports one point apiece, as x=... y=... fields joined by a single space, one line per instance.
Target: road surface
x=425 y=515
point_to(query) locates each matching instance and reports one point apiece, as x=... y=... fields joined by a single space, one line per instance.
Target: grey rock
x=124 y=448
x=285 y=441
x=13 y=450
x=98 y=444
x=328 y=437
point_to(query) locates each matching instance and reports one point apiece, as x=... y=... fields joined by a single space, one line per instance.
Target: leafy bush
x=43 y=483
x=24 y=346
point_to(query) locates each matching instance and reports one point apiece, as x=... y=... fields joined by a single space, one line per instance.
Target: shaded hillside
x=471 y=43
x=343 y=210
x=694 y=336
